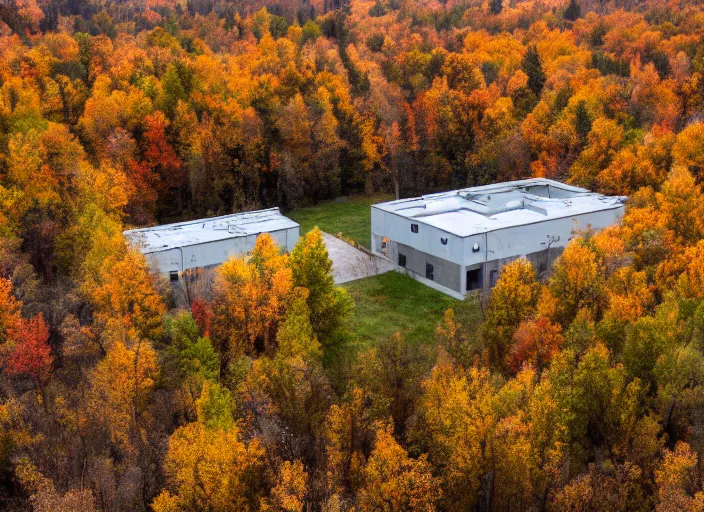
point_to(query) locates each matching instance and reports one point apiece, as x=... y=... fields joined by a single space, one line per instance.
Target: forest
x=580 y=392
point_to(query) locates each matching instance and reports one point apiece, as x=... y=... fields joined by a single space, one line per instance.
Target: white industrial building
x=457 y=241
x=173 y=248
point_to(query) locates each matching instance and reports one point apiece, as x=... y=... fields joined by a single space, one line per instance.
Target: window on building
x=401 y=260
x=414 y=228
x=429 y=272
x=493 y=277
x=173 y=276
x=474 y=279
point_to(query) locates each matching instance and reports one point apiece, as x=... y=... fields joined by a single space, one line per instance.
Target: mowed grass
x=394 y=302
x=349 y=216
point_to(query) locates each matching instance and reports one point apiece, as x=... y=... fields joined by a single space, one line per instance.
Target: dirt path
x=349 y=263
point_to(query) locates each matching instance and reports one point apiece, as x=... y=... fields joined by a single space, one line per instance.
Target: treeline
x=581 y=393
x=206 y=114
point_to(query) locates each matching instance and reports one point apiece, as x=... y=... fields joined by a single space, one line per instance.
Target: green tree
x=573 y=11
x=582 y=122
x=311 y=31
x=312 y=269
x=534 y=69
x=188 y=358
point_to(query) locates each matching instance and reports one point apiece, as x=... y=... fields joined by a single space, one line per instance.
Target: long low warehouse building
x=173 y=248
x=457 y=241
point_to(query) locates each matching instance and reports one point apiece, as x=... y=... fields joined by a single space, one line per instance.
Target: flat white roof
x=194 y=232
x=475 y=210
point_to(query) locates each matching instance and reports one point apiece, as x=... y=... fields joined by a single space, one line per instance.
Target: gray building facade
x=458 y=241
x=206 y=243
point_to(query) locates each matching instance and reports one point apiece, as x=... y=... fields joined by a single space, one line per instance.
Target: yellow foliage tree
x=289 y=492
x=513 y=298
x=121 y=386
x=395 y=482
x=209 y=466
x=457 y=419
x=9 y=310
x=575 y=284
x=682 y=203
x=125 y=300
x=250 y=298
x=677 y=481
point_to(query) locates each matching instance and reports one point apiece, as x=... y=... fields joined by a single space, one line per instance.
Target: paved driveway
x=349 y=263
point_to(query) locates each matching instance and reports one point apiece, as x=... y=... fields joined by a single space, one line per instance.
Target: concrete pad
x=350 y=264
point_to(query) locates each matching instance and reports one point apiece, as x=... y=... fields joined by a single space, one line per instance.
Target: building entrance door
x=474 y=279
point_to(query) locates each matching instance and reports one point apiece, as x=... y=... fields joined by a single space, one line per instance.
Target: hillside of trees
x=584 y=392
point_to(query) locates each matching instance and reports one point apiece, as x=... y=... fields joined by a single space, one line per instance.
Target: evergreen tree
x=495 y=6
x=583 y=122
x=573 y=11
x=534 y=69
x=377 y=10
x=312 y=269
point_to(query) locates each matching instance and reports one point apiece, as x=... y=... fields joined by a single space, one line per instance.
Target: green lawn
x=349 y=216
x=394 y=302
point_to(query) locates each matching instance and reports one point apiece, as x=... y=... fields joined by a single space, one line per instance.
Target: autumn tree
x=678 y=484
x=287 y=394
x=456 y=422
x=9 y=310
x=121 y=386
x=513 y=298
x=536 y=341
x=393 y=481
x=125 y=298
x=348 y=436
x=208 y=463
x=575 y=284
x=288 y=495
x=250 y=297
x=681 y=203
x=687 y=149
x=30 y=356
x=392 y=372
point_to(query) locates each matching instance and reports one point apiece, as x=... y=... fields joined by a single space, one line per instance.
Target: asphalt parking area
x=350 y=264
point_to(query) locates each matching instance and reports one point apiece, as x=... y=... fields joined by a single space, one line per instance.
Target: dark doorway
x=474 y=279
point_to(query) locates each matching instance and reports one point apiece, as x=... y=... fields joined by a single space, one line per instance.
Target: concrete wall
x=428 y=239
x=542 y=262
x=215 y=253
x=532 y=238
x=445 y=273
x=499 y=244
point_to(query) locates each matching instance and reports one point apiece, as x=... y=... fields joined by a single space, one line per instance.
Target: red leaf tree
x=536 y=342
x=202 y=314
x=31 y=354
